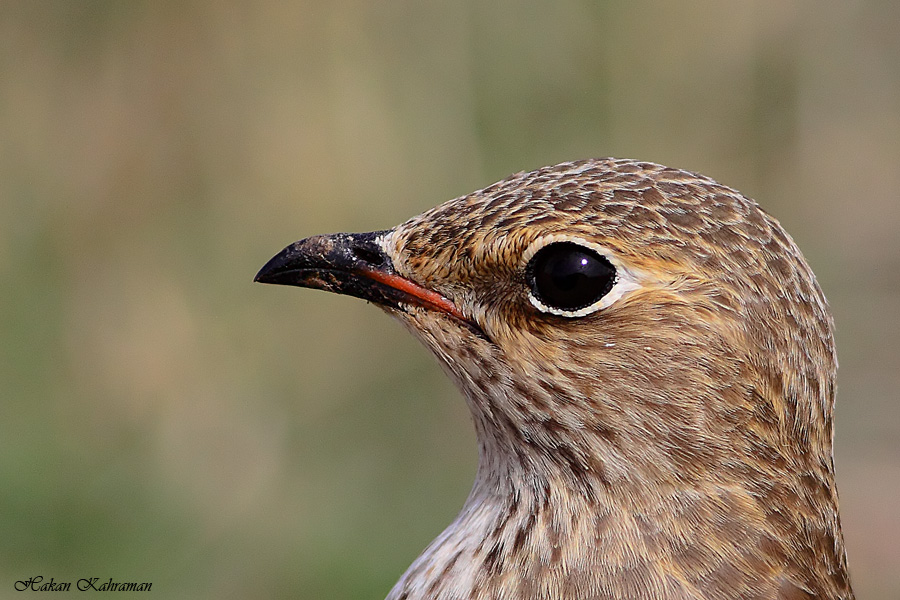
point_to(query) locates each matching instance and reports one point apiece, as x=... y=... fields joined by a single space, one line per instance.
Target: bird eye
x=566 y=277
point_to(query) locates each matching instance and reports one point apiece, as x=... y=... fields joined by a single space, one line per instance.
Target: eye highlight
x=566 y=277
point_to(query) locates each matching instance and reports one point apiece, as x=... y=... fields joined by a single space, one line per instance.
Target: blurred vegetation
x=165 y=420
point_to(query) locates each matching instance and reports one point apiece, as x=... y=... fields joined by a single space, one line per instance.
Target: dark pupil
x=567 y=276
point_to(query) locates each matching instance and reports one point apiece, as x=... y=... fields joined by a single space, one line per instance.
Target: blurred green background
x=163 y=419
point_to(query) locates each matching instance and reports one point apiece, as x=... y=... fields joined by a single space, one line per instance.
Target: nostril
x=370 y=257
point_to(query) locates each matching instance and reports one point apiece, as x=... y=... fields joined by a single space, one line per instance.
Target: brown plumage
x=650 y=366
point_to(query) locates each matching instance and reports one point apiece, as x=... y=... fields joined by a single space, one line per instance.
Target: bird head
x=607 y=314
x=626 y=333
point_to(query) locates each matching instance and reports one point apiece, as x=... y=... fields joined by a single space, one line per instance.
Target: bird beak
x=353 y=264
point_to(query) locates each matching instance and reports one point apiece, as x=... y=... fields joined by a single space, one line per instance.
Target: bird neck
x=631 y=495
x=564 y=525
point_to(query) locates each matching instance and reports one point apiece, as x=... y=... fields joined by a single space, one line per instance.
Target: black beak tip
x=277 y=267
x=260 y=277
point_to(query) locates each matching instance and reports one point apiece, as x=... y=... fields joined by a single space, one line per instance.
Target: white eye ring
x=626 y=279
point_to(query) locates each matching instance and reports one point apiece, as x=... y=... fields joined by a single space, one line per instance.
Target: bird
x=649 y=363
